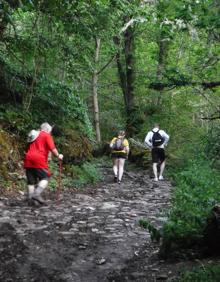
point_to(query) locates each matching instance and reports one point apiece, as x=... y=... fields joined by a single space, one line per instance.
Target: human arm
x=166 y=137
x=112 y=142
x=147 y=140
x=127 y=150
x=126 y=146
x=52 y=148
x=55 y=152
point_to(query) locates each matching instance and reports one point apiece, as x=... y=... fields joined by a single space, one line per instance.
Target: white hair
x=46 y=127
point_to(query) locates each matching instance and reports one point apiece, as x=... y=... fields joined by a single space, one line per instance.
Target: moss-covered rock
x=75 y=146
x=139 y=154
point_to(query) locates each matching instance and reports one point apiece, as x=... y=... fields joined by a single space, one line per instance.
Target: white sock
x=30 y=191
x=41 y=186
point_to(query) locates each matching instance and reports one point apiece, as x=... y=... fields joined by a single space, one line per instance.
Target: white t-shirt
x=148 y=138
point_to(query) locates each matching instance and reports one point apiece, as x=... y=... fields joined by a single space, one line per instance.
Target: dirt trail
x=91 y=236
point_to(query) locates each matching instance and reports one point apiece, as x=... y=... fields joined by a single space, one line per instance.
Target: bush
x=212 y=148
x=195 y=194
x=210 y=273
x=58 y=103
x=75 y=146
x=75 y=176
x=17 y=121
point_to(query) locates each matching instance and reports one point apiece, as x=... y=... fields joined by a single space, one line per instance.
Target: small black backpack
x=157 y=139
x=118 y=144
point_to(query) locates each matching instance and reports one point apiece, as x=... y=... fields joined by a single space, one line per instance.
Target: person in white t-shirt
x=155 y=140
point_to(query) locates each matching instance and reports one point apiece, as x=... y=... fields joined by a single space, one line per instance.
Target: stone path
x=90 y=236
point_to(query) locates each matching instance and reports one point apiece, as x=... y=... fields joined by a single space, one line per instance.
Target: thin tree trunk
x=95 y=91
x=29 y=92
x=160 y=67
x=122 y=76
x=129 y=60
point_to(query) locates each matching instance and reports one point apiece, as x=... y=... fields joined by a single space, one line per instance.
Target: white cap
x=32 y=135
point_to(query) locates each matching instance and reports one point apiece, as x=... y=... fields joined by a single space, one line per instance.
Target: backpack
x=157 y=139
x=118 y=145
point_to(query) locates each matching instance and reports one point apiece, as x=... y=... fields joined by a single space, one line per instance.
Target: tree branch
x=106 y=65
x=211 y=84
x=210 y=118
x=179 y=83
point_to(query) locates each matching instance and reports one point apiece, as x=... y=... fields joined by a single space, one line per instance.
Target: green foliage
x=56 y=40
x=51 y=100
x=16 y=120
x=58 y=103
x=76 y=176
x=196 y=192
x=86 y=174
x=155 y=233
x=212 y=148
x=208 y=273
x=47 y=57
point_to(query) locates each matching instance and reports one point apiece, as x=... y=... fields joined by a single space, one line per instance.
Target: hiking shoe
x=115 y=179
x=39 y=199
x=119 y=182
x=155 y=179
x=32 y=202
x=161 y=177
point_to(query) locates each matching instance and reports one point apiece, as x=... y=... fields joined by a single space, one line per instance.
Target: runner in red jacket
x=36 y=161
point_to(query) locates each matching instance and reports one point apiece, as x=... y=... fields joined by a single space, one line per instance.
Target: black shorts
x=119 y=155
x=34 y=175
x=158 y=155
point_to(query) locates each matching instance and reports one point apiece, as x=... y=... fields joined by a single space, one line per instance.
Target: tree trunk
x=129 y=63
x=122 y=77
x=125 y=64
x=163 y=47
x=95 y=91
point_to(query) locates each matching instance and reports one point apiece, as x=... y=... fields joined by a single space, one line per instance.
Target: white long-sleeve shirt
x=148 y=138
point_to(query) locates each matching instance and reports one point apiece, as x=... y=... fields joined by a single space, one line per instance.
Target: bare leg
x=155 y=171
x=115 y=167
x=162 y=167
x=121 y=169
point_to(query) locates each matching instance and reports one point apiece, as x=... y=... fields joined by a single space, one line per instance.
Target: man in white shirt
x=155 y=140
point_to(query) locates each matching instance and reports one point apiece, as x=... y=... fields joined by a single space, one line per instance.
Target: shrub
x=210 y=273
x=196 y=192
x=75 y=176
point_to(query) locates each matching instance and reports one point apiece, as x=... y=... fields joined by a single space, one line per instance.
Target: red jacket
x=37 y=152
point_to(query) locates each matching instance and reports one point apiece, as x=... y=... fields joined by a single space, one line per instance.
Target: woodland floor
x=90 y=235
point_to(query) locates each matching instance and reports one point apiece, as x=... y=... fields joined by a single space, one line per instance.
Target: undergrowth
x=210 y=273
x=196 y=191
x=75 y=176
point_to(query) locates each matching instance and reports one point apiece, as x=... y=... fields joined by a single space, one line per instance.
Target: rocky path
x=90 y=236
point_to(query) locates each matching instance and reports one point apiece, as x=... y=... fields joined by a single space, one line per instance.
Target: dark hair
x=156 y=125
